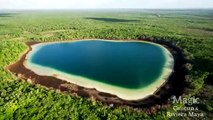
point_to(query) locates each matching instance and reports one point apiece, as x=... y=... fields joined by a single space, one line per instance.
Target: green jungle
x=192 y=30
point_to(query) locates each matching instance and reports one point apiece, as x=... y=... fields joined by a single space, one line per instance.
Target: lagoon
x=129 y=69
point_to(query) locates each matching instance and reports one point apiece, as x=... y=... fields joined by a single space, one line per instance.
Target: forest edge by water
x=175 y=85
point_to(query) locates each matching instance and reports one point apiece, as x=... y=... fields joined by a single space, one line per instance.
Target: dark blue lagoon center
x=126 y=64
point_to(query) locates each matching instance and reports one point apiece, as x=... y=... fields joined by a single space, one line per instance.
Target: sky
x=105 y=4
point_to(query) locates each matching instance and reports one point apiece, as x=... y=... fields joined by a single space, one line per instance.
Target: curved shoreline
x=159 y=96
x=123 y=93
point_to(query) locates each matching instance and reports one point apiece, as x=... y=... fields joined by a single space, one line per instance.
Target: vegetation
x=192 y=30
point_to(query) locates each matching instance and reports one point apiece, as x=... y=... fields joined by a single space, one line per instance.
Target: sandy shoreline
x=126 y=94
x=63 y=84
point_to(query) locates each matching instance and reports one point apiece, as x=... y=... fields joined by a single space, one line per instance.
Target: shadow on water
x=112 y=19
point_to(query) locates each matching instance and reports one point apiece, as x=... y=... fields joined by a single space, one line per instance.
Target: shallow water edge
x=173 y=86
x=123 y=93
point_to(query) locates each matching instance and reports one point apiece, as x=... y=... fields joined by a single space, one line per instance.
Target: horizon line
x=111 y=9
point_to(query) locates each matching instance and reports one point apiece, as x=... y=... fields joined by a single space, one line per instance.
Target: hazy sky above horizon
x=103 y=4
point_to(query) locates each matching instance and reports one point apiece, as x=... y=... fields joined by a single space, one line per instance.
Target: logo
x=184 y=111
x=188 y=101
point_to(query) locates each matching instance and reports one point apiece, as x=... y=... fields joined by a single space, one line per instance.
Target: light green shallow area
x=129 y=69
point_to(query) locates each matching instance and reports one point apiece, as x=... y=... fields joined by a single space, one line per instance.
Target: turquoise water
x=129 y=65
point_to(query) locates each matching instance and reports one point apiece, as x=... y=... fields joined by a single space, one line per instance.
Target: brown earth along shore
x=175 y=84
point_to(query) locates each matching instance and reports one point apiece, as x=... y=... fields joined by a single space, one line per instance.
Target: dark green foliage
x=191 y=30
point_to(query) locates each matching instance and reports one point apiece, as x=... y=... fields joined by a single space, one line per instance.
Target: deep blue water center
x=125 y=64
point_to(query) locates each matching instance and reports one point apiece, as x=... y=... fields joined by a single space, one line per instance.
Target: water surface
x=127 y=65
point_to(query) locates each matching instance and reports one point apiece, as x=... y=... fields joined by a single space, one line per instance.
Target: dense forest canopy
x=192 y=30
